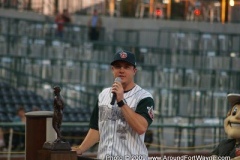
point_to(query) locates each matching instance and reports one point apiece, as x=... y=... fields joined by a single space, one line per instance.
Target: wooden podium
x=56 y=155
x=38 y=131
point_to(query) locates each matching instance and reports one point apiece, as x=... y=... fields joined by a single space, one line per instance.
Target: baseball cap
x=125 y=56
x=233 y=98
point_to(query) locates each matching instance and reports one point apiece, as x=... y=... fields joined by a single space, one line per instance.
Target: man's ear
x=112 y=68
x=135 y=70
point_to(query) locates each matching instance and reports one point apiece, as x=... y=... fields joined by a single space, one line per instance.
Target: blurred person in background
x=19 y=132
x=35 y=108
x=66 y=16
x=59 y=20
x=20 y=116
x=94 y=26
x=2 y=143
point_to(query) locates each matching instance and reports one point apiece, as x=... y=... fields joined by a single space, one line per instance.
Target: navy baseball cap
x=125 y=56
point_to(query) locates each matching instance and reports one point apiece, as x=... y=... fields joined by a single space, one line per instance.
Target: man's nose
x=121 y=68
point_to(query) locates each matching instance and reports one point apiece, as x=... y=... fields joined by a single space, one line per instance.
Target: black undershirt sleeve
x=94 y=118
x=145 y=108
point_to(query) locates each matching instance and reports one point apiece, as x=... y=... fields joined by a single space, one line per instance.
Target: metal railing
x=167 y=136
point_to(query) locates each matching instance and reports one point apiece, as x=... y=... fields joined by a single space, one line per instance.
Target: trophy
x=58 y=105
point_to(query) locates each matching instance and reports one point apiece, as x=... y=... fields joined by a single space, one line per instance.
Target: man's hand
x=77 y=149
x=117 y=88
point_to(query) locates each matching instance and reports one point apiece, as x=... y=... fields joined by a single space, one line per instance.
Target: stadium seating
x=11 y=98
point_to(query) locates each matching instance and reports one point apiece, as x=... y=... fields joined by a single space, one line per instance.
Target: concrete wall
x=111 y=23
x=131 y=23
x=21 y=14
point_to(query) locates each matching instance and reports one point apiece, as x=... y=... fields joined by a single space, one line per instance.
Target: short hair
x=20 y=108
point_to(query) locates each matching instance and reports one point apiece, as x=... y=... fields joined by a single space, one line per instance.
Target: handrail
x=157 y=128
x=154 y=125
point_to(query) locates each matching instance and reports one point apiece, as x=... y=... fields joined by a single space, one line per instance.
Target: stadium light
x=231 y=3
x=197 y=12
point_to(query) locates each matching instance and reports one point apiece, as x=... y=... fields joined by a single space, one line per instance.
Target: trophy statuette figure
x=58 y=106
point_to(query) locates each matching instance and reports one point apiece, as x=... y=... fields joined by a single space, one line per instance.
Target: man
x=60 y=25
x=94 y=24
x=120 y=128
x=231 y=147
x=20 y=117
x=66 y=16
x=19 y=139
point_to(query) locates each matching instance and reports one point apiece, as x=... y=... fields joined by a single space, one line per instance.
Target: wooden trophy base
x=45 y=154
x=57 y=146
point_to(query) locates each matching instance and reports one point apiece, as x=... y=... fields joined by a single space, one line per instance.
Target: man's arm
x=142 y=117
x=91 y=139
x=135 y=120
x=92 y=136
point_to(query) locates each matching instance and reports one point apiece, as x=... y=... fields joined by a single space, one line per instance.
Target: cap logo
x=123 y=55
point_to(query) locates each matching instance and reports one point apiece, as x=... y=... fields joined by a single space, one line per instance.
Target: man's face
x=21 y=113
x=124 y=70
x=232 y=123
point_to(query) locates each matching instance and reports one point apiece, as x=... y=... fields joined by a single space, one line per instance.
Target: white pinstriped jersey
x=117 y=138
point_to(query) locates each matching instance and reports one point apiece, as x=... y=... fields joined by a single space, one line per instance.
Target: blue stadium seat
x=10 y=108
x=2 y=108
x=3 y=117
